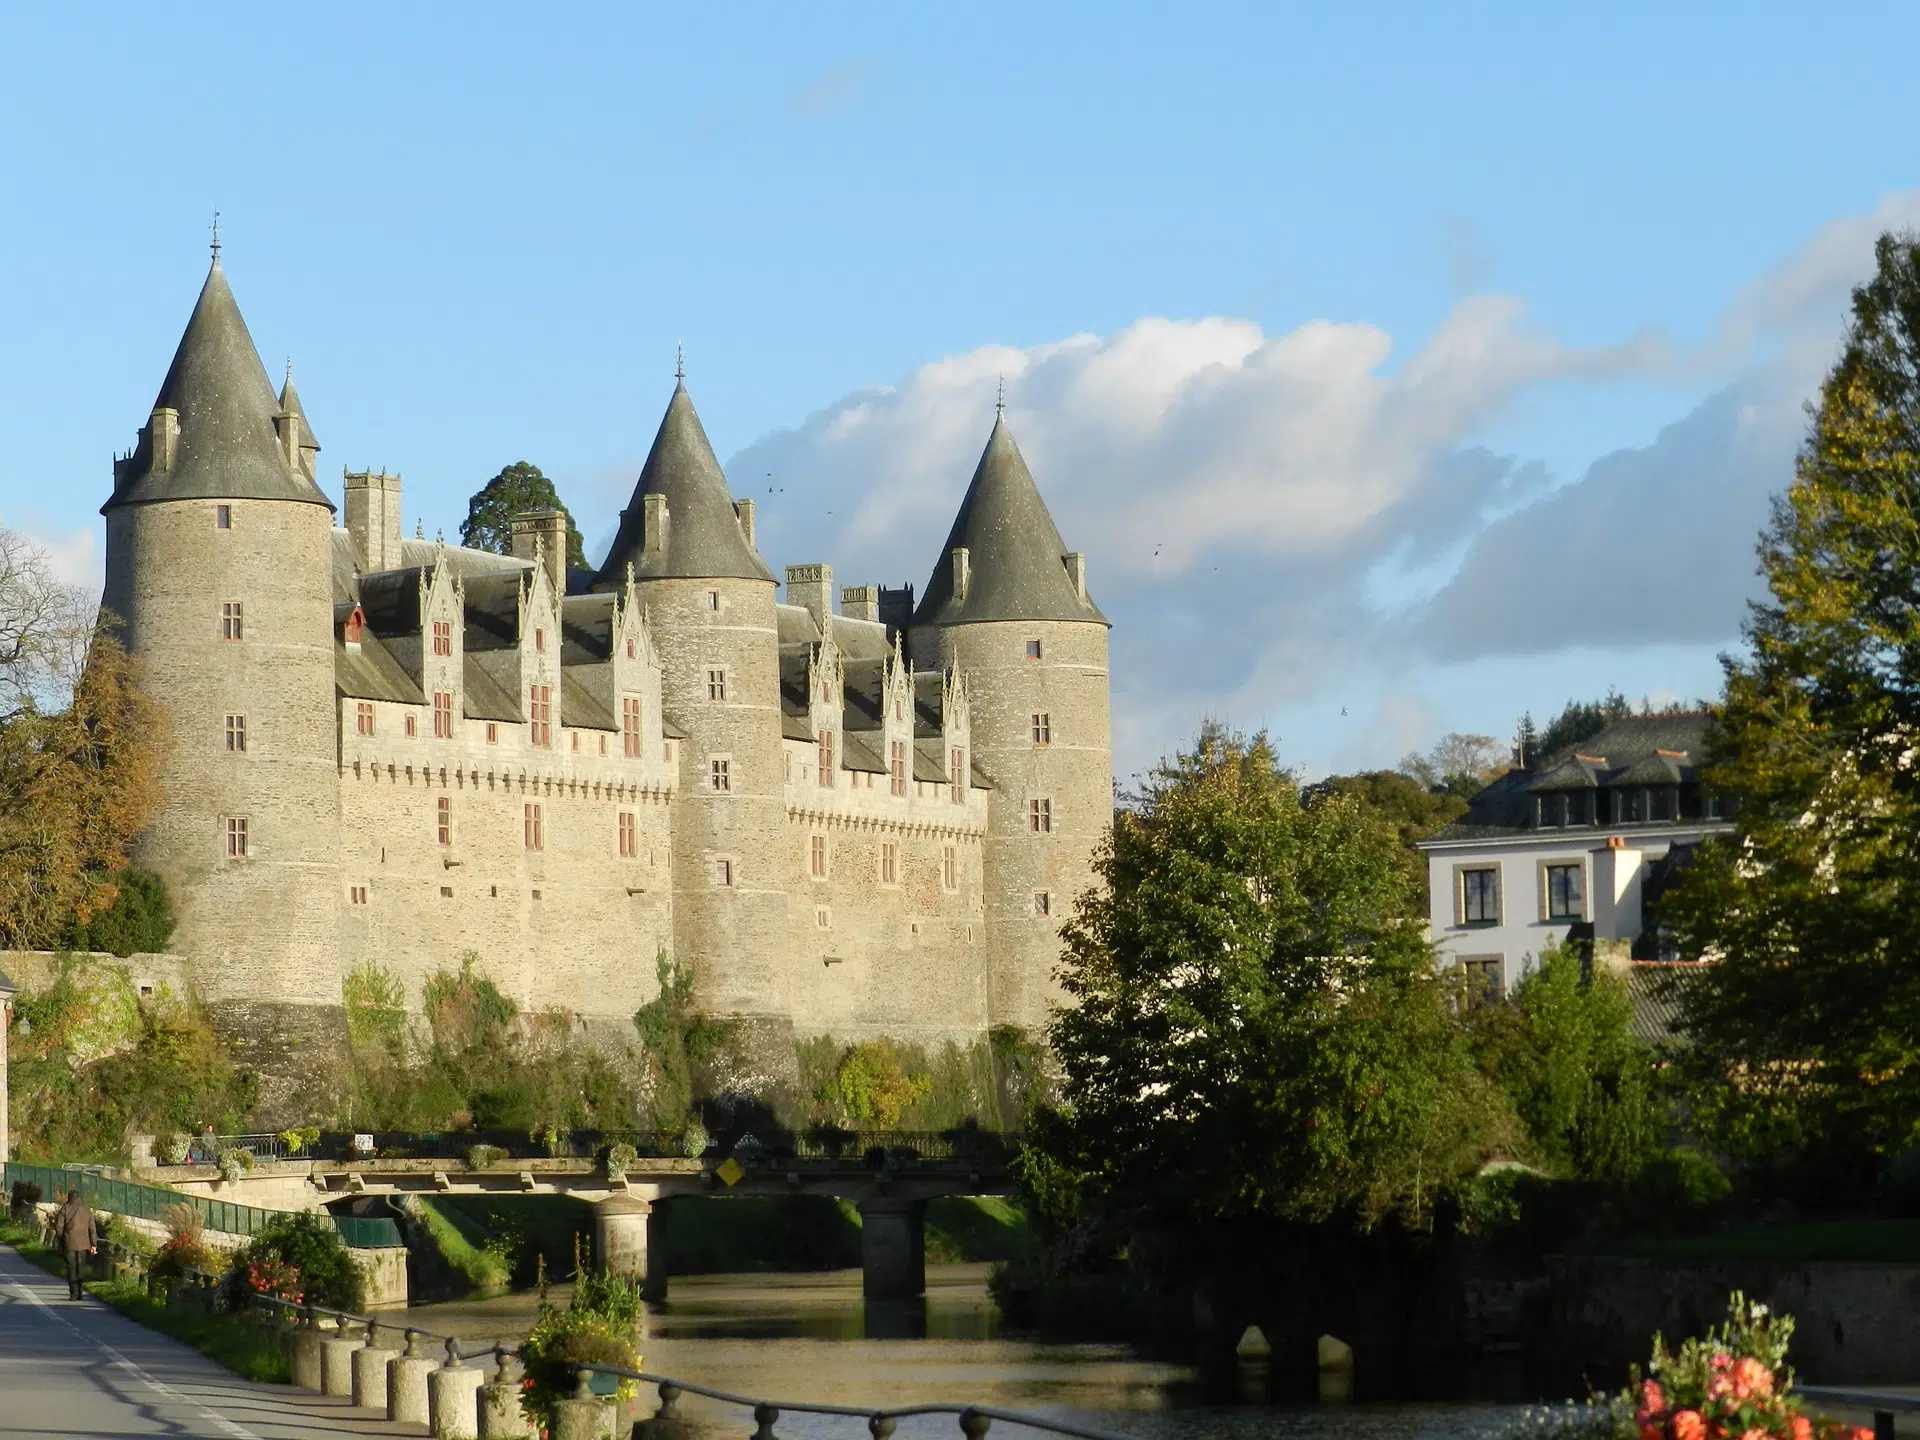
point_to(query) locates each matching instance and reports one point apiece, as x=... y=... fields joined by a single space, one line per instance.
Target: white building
x=1580 y=845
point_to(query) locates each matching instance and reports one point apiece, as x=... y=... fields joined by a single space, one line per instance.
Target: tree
x=1257 y=1030
x=1806 y=1035
x=1413 y=810
x=514 y=491
x=1462 y=764
x=1578 y=720
x=140 y=919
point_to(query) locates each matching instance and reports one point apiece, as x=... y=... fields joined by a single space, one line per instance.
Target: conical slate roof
x=1015 y=557
x=704 y=539
x=290 y=405
x=228 y=446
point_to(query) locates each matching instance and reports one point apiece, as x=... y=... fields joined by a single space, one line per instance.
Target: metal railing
x=150 y=1202
x=1883 y=1403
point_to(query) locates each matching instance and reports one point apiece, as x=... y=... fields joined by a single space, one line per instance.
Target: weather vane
x=679 y=362
x=216 y=234
x=1000 y=400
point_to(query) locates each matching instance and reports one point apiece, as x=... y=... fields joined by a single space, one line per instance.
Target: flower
x=1802 y=1428
x=1652 y=1402
x=1751 y=1379
x=1688 y=1425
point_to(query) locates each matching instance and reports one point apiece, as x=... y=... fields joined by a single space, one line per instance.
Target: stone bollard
x=407 y=1384
x=336 y=1365
x=453 y=1398
x=500 y=1412
x=370 y=1374
x=585 y=1417
x=303 y=1357
x=667 y=1423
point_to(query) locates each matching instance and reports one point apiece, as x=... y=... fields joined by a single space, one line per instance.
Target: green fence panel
x=150 y=1202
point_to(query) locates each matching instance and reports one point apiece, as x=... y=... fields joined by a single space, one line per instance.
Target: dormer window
x=443 y=637
x=356 y=625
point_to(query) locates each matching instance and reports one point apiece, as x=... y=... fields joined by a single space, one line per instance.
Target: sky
x=1398 y=368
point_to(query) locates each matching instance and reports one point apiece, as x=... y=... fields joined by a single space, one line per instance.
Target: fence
x=150 y=1202
x=981 y=1147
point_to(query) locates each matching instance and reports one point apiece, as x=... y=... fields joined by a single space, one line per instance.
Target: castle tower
x=1007 y=607
x=709 y=601
x=219 y=571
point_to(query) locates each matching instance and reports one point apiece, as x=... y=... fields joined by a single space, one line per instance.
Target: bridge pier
x=893 y=1248
x=621 y=1224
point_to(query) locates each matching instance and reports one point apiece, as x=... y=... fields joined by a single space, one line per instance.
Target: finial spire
x=289 y=369
x=216 y=237
x=680 y=363
x=1000 y=400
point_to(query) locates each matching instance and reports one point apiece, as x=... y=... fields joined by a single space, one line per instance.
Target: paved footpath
x=71 y=1369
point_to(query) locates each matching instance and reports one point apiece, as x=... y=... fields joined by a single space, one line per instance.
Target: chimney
x=743 y=511
x=373 y=518
x=164 y=427
x=860 y=602
x=1076 y=564
x=896 y=609
x=654 y=519
x=812 y=586
x=542 y=535
x=962 y=572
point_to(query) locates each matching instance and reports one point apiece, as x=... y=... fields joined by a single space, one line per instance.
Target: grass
x=467 y=1245
x=248 y=1349
x=526 y=1227
x=1873 y=1240
x=978 y=1227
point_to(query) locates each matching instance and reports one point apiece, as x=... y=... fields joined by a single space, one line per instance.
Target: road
x=79 y=1369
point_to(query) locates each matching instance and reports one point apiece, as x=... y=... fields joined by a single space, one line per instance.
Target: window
x=630 y=725
x=446 y=893
x=223 y=517
x=540 y=714
x=1042 y=904
x=539 y=640
x=363 y=717
x=713 y=599
x=719 y=777
x=1551 y=811
x=630 y=650
x=1040 y=817
x=237 y=837
x=574 y=741
x=536 y=827
x=443 y=637
x=357 y=894
x=1480 y=897
x=443 y=819
x=230 y=620
x=237 y=734
x=1042 y=728
x=822 y=918
x=493 y=733
x=723 y=872
x=1566 y=893
x=1484 y=984
x=949 y=869
x=443 y=714
x=957 y=775
x=1033 y=649
x=889 y=863
x=825 y=767
x=356 y=626
x=629 y=836
x=413 y=725
x=716 y=684
x=817 y=857
x=897 y=765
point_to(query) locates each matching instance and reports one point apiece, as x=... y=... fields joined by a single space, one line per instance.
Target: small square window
x=713 y=599
x=223 y=517
x=446 y=892
x=723 y=872
x=1042 y=904
x=237 y=734
x=1033 y=649
x=357 y=894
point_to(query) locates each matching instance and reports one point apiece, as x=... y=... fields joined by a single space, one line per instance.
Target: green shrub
x=561 y=1339
x=140 y=920
x=620 y=1158
x=234 y=1161
x=479 y=1157
x=617 y=1299
x=328 y=1275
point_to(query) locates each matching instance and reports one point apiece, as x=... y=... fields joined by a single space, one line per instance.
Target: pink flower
x=1756 y=1433
x=1802 y=1428
x=1652 y=1402
x=1751 y=1379
x=1688 y=1425
x=1650 y=1430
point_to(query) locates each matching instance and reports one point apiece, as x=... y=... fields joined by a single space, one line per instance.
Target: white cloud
x=74 y=555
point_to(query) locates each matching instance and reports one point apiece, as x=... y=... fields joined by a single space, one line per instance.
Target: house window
x=1484 y=983
x=817 y=857
x=1566 y=893
x=357 y=894
x=1480 y=897
x=443 y=819
x=825 y=770
x=223 y=517
x=949 y=868
x=713 y=599
x=1033 y=649
x=1042 y=728
x=236 y=837
x=603 y=744
x=723 y=872
x=535 y=823
x=889 y=863
x=230 y=620
x=443 y=637
x=413 y=725
x=630 y=725
x=1040 y=817
x=716 y=684
x=1550 y=811
x=629 y=836
x=237 y=734
x=443 y=714
x=957 y=775
x=363 y=717
x=540 y=714
x=1042 y=904
x=630 y=650
x=574 y=741
x=493 y=733
x=720 y=776
x=539 y=641
x=897 y=765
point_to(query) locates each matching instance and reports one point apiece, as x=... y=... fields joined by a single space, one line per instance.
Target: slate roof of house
x=1014 y=551
x=228 y=447
x=368 y=671
x=703 y=538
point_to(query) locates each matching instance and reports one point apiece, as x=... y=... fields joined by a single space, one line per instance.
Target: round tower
x=1007 y=606
x=709 y=601
x=219 y=573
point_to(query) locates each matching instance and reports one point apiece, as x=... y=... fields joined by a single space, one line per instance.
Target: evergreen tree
x=514 y=491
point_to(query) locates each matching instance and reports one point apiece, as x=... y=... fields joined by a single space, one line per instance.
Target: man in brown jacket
x=73 y=1228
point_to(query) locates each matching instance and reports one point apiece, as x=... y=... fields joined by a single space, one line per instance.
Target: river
x=811 y=1337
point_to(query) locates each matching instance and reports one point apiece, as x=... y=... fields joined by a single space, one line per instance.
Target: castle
x=863 y=819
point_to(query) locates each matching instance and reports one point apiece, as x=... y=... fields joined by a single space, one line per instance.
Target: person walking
x=73 y=1227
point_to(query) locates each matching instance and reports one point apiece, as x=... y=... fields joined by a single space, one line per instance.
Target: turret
x=709 y=599
x=1007 y=612
x=219 y=573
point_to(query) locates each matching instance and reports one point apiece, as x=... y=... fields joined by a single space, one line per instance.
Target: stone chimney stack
x=165 y=429
x=1076 y=564
x=373 y=518
x=542 y=535
x=860 y=602
x=743 y=512
x=896 y=609
x=812 y=586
